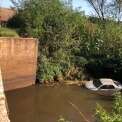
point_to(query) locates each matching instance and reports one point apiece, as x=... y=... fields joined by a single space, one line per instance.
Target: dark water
x=46 y=104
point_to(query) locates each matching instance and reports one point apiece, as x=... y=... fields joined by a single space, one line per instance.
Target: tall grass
x=6 y=32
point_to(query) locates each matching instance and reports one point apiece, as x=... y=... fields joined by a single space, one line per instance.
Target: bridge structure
x=3 y=104
x=18 y=61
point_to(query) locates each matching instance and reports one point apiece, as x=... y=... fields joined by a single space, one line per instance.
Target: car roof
x=106 y=81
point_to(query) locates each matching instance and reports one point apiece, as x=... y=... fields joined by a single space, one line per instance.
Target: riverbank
x=65 y=82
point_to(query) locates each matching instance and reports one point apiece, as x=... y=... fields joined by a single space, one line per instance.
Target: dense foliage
x=115 y=116
x=71 y=46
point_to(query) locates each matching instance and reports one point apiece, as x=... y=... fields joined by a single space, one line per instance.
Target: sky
x=76 y=3
x=84 y=6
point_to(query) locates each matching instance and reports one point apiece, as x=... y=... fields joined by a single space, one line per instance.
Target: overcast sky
x=76 y=3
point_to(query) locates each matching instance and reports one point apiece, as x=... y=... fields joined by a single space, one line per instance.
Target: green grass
x=6 y=32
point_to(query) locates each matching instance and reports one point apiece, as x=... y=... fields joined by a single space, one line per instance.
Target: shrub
x=115 y=115
x=47 y=71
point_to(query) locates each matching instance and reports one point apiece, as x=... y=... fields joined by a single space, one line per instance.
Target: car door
x=106 y=87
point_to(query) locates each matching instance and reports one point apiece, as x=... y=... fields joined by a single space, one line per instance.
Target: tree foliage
x=107 y=9
x=99 y=6
x=70 y=44
x=115 y=9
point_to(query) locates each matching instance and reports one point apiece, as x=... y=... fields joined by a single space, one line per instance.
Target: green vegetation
x=6 y=32
x=61 y=119
x=115 y=115
x=71 y=45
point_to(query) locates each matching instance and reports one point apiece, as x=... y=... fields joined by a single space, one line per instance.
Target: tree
x=99 y=7
x=56 y=26
x=68 y=41
x=17 y=3
x=115 y=9
x=107 y=8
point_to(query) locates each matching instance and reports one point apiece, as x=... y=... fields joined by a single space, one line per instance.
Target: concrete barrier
x=3 y=108
x=18 y=61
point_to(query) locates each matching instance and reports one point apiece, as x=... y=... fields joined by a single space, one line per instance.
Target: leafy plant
x=115 y=115
x=47 y=71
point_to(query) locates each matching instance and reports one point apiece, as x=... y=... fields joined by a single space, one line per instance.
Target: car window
x=117 y=83
x=97 y=83
x=107 y=87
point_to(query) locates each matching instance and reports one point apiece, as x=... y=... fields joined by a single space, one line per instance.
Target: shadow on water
x=46 y=104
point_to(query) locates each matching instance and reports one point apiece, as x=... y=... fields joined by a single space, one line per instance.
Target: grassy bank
x=6 y=32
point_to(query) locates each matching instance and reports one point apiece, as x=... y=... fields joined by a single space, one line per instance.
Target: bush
x=115 y=115
x=47 y=71
x=106 y=60
x=5 y=32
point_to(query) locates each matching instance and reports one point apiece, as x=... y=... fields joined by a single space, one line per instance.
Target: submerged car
x=104 y=86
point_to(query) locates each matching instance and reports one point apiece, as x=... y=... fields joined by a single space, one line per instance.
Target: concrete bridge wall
x=18 y=61
x=3 y=104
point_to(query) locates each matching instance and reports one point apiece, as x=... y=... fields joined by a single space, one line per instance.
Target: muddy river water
x=47 y=104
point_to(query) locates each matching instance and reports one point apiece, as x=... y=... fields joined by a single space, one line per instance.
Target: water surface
x=46 y=104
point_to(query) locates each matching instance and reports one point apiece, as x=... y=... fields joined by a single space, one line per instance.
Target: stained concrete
x=18 y=61
x=3 y=110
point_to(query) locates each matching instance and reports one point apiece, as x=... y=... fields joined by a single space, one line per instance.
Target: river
x=47 y=104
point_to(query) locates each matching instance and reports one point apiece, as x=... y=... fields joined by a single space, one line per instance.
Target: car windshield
x=107 y=87
x=97 y=83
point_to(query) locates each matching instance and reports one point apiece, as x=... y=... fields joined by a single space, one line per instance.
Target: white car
x=104 y=86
